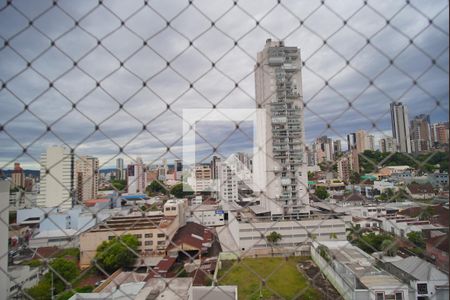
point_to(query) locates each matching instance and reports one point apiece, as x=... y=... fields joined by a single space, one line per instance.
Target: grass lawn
x=284 y=282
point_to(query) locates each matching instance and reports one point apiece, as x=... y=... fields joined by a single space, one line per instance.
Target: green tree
x=321 y=192
x=156 y=187
x=273 y=238
x=181 y=190
x=389 y=247
x=426 y=213
x=355 y=178
x=119 y=185
x=61 y=271
x=310 y=175
x=117 y=253
x=416 y=237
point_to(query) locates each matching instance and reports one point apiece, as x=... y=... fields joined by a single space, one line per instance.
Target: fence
x=110 y=80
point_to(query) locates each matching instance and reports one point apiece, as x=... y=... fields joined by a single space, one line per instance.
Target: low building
x=438 y=249
x=22 y=277
x=425 y=280
x=250 y=233
x=419 y=191
x=191 y=239
x=153 y=230
x=353 y=274
x=208 y=215
x=223 y=292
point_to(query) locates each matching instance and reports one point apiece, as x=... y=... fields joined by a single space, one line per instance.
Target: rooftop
x=420 y=269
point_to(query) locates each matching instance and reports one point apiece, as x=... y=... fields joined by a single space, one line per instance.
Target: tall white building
x=57 y=178
x=120 y=170
x=87 y=178
x=227 y=183
x=280 y=165
x=400 y=127
x=387 y=144
x=137 y=177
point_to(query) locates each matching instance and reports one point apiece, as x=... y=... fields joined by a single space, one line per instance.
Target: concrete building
x=426 y=281
x=249 y=233
x=120 y=170
x=178 y=169
x=87 y=178
x=137 y=177
x=337 y=146
x=371 y=142
x=57 y=178
x=227 y=183
x=351 y=141
x=201 y=178
x=439 y=133
x=387 y=144
x=353 y=272
x=17 y=176
x=420 y=133
x=154 y=230
x=361 y=140
x=280 y=165
x=400 y=127
x=345 y=167
x=208 y=215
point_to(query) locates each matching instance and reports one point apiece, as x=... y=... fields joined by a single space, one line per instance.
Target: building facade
x=87 y=178
x=420 y=133
x=387 y=144
x=137 y=177
x=57 y=178
x=17 y=176
x=400 y=127
x=280 y=165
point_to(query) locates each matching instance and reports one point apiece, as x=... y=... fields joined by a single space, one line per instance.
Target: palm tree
x=333 y=236
x=273 y=238
x=354 y=232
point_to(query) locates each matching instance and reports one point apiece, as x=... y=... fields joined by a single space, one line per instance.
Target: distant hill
x=34 y=173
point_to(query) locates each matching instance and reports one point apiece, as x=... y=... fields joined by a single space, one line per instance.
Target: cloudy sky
x=91 y=76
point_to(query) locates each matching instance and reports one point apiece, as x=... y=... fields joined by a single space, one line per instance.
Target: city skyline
x=324 y=106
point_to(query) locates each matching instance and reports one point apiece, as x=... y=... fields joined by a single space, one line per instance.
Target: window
x=138 y=235
x=422 y=289
x=148 y=243
x=149 y=235
x=399 y=296
x=110 y=237
x=161 y=243
x=379 y=296
x=161 y=235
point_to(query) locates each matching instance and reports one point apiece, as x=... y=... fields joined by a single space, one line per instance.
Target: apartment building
x=87 y=178
x=153 y=230
x=280 y=165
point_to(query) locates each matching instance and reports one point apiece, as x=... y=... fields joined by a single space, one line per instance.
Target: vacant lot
x=272 y=277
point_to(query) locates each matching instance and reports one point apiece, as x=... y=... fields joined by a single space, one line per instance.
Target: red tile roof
x=192 y=234
x=417 y=188
x=439 y=242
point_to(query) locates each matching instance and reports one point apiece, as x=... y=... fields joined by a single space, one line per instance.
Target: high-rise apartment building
x=17 y=176
x=361 y=140
x=137 y=177
x=227 y=183
x=371 y=142
x=351 y=141
x=280 y=165
x=87 y=178
x=337 y=146
x=120 y=170
x=400 y=127
x=439 y=133
x=420 y=133
x=57 y=178
x=178 y=169
x=387 y=144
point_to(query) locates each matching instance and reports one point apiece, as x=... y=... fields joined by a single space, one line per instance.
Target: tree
x=321 y=192
x=156 y=187
x=181 y=190
x=333 y=236
x=273 y=238
x=389 y=247
x=416 y=237
x=310 y=175
x=61 y=271
x=117 y=253
x=355 y=178
x=119 y=185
